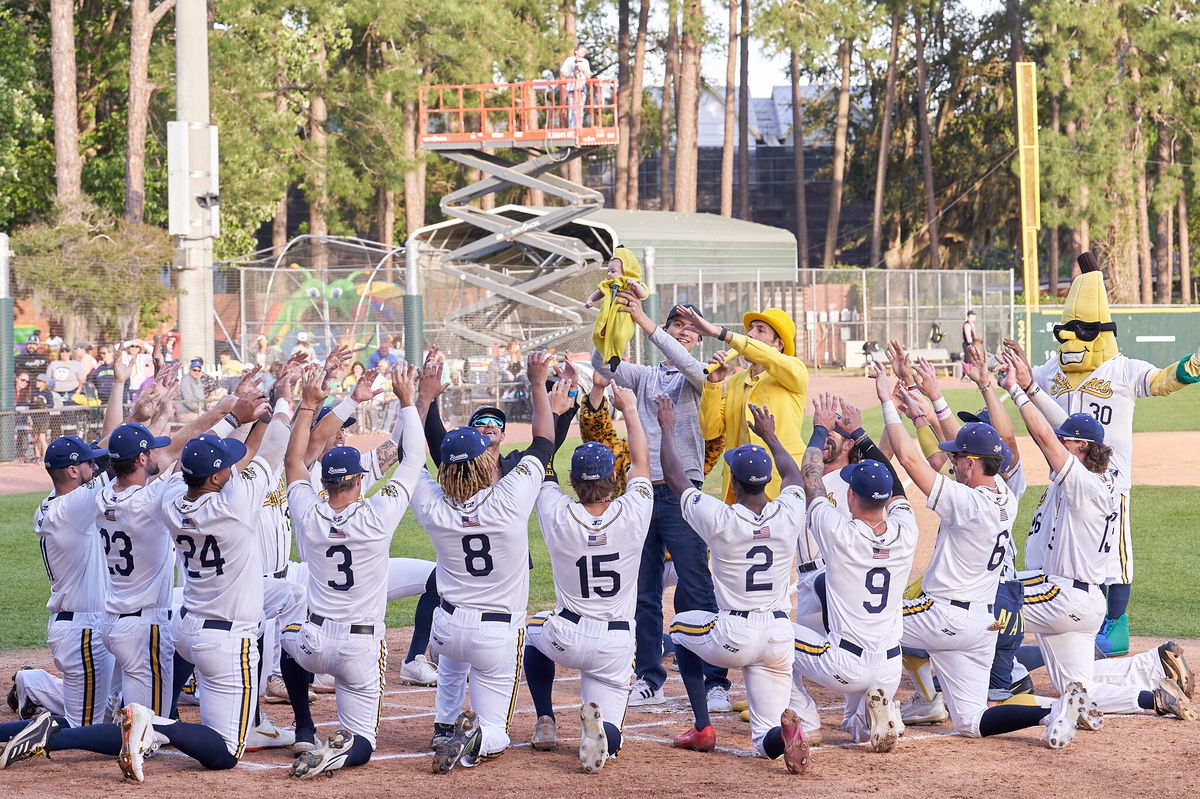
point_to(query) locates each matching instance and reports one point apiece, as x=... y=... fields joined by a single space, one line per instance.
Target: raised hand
x=825 y=411
x=337 y=358
x=630 y=303
x=568 y=372
x=976 y=366
x=901 y=362
x=763 y=424
x=404 y=382
x=538 y=366
x=666 y=412
x=434 y=355
x=701 y=325
x=925 y=378
x=314 y=389
x=429 y=381
x=851 y=417
x=624 y=400
x=1018 y=364
x=156 y=354
x=1009 y=372
x=724 y=367
x=363 y=391
x=883 y=384
x=561 y=400
x=122 y=369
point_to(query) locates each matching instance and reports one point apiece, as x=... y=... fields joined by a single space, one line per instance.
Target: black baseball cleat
x=465 y=739
x=440 y=731
x=29 y=742
x=1176 y=668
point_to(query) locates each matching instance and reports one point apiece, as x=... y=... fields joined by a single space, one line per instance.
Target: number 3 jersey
x=866 y=570
x=140 y=553
x=751 y=553
x=482 y=544
x=218 y=546
x=1079 y=523
x=972 y=540
x=595 y=559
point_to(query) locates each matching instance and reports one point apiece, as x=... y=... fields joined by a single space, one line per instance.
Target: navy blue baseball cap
x=982 y=416
x=341 y=463
x=673 y=313
x=869 y=479
x=321 y=414
x=67 y=451
x=749 y=463
x=205 y=455
x=975 y=438
x=1082 y=427
x=488 y=412
x=463 y=444
x=592 y=461
x=130 y=440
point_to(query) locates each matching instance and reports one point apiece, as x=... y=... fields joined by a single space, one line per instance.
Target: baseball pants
x=759 y=643
x=810 y=604
x=603 y=656
x=407 y=577
x=356 y=660
x=488 y=647
x=42 y=687
x=284 y=600
x=145 y=652
x=961 y=644
x=225 y=655
x=842 y=665
x=85 y=664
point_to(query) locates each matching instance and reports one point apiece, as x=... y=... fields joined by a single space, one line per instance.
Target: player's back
x=71 y=550
x=866 y=571
x=752 y=553
x=595 y=559
x=972 y=540
x=1082 y=515
x=137 y=546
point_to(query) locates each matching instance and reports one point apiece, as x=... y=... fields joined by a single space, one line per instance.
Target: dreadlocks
x=461 y=481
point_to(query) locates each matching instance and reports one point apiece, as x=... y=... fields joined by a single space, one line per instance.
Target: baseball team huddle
x=799 y=573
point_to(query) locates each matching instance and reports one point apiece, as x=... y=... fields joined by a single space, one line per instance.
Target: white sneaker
x=915 y=710
x=137 y=738
x=267 y=736
x=418 y=671
x=545 y=734
x=323 y=684
x=643 y=693
x=325 y=760
x=593 y=742
x=718 y=700
x=276 y=693
x=883 y=728
x=1064 y=716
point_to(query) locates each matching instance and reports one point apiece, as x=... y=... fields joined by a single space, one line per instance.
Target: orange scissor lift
x=556 y=121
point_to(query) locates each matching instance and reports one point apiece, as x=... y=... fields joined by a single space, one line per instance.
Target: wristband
x=941 y=407
x=1033 y=390
x=344 y=409
x=890 y=415
x=573 y=392
x=723 y=334
x=283 y=406
x=1019 y=397
x=911 y=389
x=858 y=435
x=231 y=420
x=820 y=435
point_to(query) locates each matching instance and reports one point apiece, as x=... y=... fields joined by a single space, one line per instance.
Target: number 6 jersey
x=751 y=554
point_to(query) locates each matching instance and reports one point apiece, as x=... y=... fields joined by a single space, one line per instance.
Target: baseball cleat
x=440 y=731
x=545 y=734
x=718 y=700
x=276 y=693
x=884 y=732
x=13 y=701
x=741 y=705
x=1090 y=717
x=1174 y=666
x=137 y=738
x=266 y=735
x=795 y=748
x=449 y=750
x=643 y=693
x=323 y=684
x=915 y=710
x=306 y=741
x=1064 y=715
x=1022 y=686
x=704 y=740
x=324 y=760
x=1170 y=700
x=418 y=671
x=30 y=741
x=26 y=707
x=593 y=742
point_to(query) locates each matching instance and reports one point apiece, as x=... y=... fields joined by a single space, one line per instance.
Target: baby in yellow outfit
x=614 y=329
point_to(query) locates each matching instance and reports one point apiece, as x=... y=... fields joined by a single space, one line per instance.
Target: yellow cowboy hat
x=779 y=321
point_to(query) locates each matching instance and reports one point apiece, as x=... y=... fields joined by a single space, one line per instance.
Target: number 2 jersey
x=972 y=540
x=751 y=553
x=139 y=551
x=71 y=549
x=595 y=559
x=1078 y=523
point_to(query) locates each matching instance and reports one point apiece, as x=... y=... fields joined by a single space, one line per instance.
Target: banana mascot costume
x=1090 y=375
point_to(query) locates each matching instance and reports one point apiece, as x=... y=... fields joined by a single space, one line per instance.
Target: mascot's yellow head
x=1086 y=333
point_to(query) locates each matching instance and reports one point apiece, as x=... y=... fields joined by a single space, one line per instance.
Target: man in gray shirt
x=681 y=377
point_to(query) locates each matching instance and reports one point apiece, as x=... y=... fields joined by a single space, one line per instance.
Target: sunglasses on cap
x=1084 y=331
x=488 y=421
x=968 y=456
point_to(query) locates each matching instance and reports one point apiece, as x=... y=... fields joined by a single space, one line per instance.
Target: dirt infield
x=1132 y=756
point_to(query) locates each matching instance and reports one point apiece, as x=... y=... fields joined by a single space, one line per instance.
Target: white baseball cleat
x=1090 y=717
x=643 y=693
x=718 y=700
x=1064 y=716
x=915 y=710
x=137 y=738
x=325 y=760
x=545 y=734
x=883 y=727
x=593 y=742
x=418 y=671
x=267 y=736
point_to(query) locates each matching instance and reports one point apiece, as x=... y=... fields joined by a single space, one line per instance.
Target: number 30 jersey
x=140 y=553
x=596 y=559
x=482 y=544
x=218 y=546
x=866 y=570
x=751 y=553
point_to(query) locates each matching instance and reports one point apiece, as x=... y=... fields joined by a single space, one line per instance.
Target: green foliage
x=26 y=133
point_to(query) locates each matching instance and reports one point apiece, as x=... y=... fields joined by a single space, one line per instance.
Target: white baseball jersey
x=1082 y=523
x=866 y=570
x=595 y=559
x=482 y=544
x=369 y=460
x=71 y=550
x=218 y=545
x=972 y=540
x=751 y=553
x=140 y=553
x=1014 y=478
x=836 y=490
x=1108 y=394
x=275 y=526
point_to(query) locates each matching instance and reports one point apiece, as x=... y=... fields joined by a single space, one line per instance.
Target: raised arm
x=313 y=390
x=411 y=440
x=430 y=385
x=812 y=466
x=763 y=426
x=946 y=424
x=115 y=410
x=639 y=449
x=1017 y=362
x=1038 y=426
x=673 y=472
x=328 y=427
x=907 y=452
x=538 y=367
x=851 y=418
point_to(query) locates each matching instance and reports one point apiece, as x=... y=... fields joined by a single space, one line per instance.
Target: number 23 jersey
x=751 y=554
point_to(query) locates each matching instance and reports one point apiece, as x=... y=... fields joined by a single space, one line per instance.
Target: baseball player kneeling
x=753 y=544
x=868 y=555
x=595 y=551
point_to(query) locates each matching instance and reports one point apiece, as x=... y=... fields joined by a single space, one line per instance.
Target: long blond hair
x=461 y=481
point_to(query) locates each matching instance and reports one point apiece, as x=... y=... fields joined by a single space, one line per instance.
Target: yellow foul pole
x=1028 y=175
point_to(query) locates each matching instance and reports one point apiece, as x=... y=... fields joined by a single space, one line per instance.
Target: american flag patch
x=188 y=524
x=879 y=553
x=597 y=539
x=336 y=532
x=110 y=514
x=762 y=532
x=470 y=521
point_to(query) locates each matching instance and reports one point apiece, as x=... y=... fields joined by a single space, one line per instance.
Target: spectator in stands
x=515 y=361
x=35 y=360
x=262 y=356
x=382 y=355
x=44 y=425
x=101 y=378
x=196 y=389
x=351 y=379
x=970 y=335
x=53 y=345
x=24 y=389
x=303 y=345
x=230 y=368
x=66 y=375
x=137 y=353
x=83 y=354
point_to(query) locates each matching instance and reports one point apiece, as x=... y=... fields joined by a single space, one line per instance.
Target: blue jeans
x=1010 y=596
x=668 y=531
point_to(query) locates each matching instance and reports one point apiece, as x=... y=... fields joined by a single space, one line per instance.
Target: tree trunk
x=666 y=184
x=142 y=22
x=743 y=152
x=414 y=178
x=688 y=112
x=317 y=192
x=1145 y=269
x=68 y=165
x=1185 y=255
x=935 y=259
x=885 y=139
x=621 y=182
x=839 y=155
x=798 y=163
x=1080 y=235
x=1164 y=227
x=632 y=194
x=279 y=222
x=731 y=51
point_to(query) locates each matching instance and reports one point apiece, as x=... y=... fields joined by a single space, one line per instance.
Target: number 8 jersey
x=751 y=554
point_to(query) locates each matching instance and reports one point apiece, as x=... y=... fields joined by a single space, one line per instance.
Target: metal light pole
x=8 y=428
x=414 y=316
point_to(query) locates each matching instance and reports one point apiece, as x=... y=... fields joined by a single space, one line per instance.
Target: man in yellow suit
x=776 y=379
